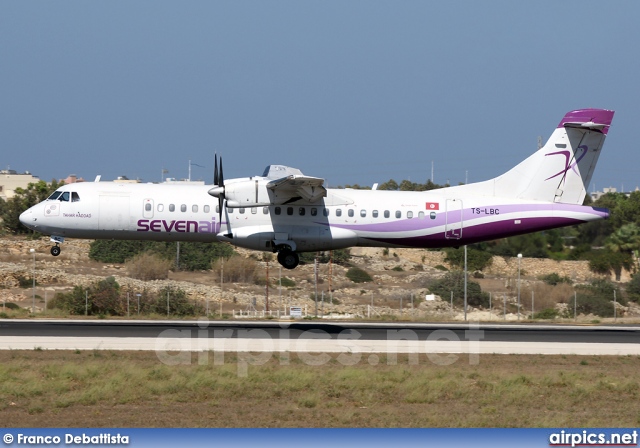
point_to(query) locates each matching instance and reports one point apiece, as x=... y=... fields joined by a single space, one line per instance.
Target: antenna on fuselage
x=98 y=177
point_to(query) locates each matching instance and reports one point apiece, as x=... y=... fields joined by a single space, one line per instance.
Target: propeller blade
x=215 y=170
x=221 y=184
x=221 y=175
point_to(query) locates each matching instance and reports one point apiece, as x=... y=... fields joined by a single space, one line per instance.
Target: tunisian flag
x=433 y=206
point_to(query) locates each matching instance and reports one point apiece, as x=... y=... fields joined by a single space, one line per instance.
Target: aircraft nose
x=26 y=218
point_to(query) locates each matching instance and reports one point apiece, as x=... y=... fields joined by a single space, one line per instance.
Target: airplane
x=285 y=212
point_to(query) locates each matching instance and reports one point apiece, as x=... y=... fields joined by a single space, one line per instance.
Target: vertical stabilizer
x=561 y=170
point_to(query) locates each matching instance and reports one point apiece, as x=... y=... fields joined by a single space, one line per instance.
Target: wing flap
x=310 y=189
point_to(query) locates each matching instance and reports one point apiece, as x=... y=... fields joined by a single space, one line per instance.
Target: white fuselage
x=344 y=218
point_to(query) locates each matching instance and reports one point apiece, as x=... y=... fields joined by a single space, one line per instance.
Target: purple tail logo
x=582 y=152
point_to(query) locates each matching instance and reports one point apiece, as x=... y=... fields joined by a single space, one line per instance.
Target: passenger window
x=325 y=211
x=289 y=211
x=301 y=211
x=206 y=209
x=338 y=212
x=183 y=208
x=217 y=209
x=265 y=210
x=160 y=207
x=351 y=213
x=398 y=214
x=64 y=197
x=277 y=210
x=194 y=208
x=254 y=210
x=172 y=208
x=374 y=213
x=147 y=206
x=420 y=215
x=314 y=211
x=387 y=214
x=242 y=210
x=55 y=195
x=75 y=197
x=363 y=213
x=229 y=210
x=410 y=215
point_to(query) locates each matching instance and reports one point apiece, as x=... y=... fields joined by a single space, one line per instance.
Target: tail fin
x=562 y=169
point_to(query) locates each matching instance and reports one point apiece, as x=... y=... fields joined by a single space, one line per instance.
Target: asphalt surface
x=296 y=330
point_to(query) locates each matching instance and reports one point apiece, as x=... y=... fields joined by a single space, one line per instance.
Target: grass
x=129 y=389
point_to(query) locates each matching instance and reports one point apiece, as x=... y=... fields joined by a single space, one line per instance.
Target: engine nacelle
x=251 y=192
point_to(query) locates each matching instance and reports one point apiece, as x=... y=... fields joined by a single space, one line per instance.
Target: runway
x=317 y=337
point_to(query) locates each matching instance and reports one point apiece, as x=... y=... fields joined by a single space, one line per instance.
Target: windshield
x=54 y=196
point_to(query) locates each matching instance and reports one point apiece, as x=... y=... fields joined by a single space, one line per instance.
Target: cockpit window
x=75 y=197
x=54 y=196
x=64 y=197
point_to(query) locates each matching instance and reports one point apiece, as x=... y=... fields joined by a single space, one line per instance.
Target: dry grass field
x=134 y=389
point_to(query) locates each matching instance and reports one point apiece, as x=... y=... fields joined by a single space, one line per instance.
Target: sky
x=355 y=92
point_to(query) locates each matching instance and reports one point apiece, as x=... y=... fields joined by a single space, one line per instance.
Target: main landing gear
x=288 y=259
x=55 y=250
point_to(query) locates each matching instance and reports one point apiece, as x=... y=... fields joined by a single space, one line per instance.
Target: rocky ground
x=400 y=285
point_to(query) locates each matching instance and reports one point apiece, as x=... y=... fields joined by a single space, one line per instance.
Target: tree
x=625 y=240
x=606 y=261
x=389 y=185
x=22 y=200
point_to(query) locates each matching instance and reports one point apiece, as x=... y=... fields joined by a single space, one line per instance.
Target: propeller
x=218 y=190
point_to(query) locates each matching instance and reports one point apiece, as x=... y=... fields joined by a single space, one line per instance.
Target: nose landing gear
x=55 y=250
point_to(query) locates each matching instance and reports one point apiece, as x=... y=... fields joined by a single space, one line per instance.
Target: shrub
x=441 y=267
x=73 y=302
x=193 y=255
x=148 y=266
x=358 y=275
x=397 y=268
x=179 y=303
x=340 y=256
x=236 y=269
x=547 y=313
x=588 y=304
x=597 y=298
x=105 y=297
x=25 y=282
x=287 y=282
x=477 y=260
x=115 y=251
x=554 y=279
x=454 y=281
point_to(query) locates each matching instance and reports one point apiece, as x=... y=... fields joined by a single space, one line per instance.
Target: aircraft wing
x=294 y=187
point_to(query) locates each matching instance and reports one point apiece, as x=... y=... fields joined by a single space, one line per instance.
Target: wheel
x=55 y=251
x=288 y=259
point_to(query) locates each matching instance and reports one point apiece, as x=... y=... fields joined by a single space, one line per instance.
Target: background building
x=10 y=180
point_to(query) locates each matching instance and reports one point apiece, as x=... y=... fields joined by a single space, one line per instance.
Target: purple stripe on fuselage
x=480 y=232
x=599 y=116
x=469 y=216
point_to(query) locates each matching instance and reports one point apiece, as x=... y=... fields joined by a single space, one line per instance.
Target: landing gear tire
x=55 y=251
x=288 y=259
